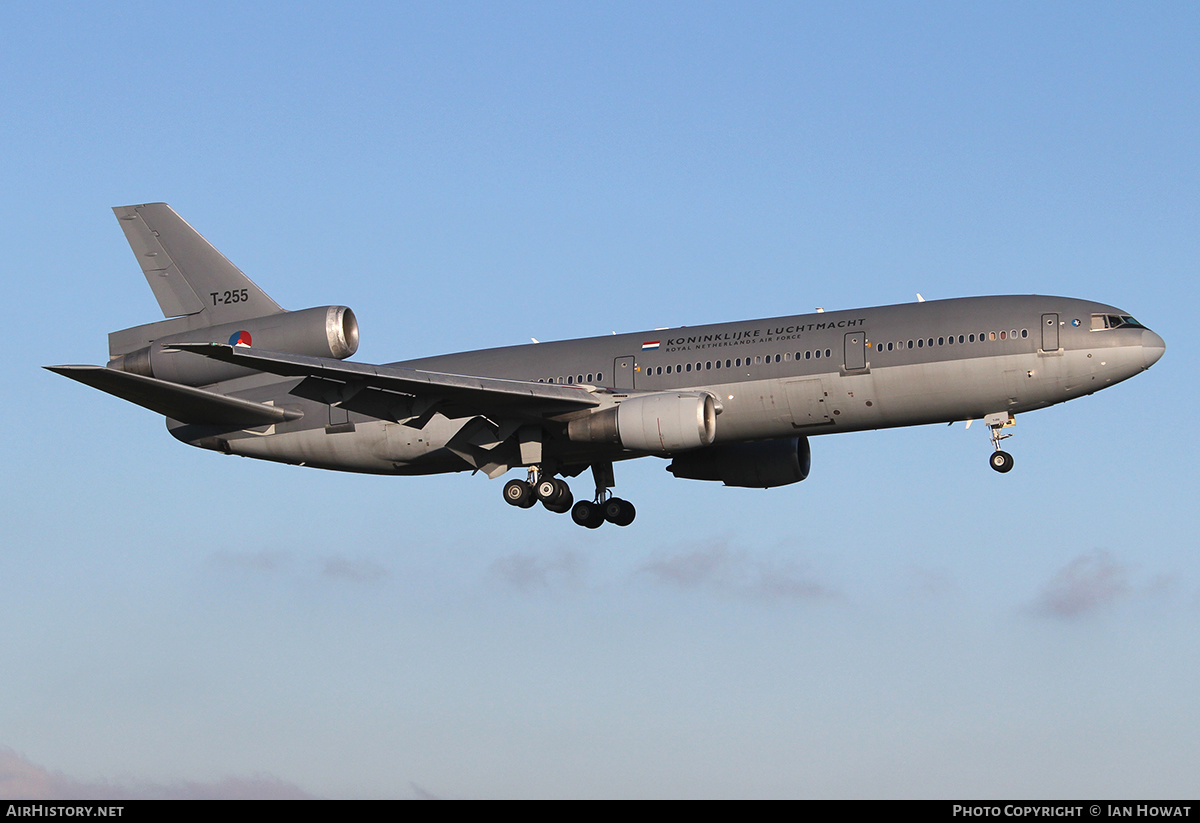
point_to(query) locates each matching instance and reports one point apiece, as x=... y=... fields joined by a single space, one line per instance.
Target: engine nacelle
x=659 y=423
x=761 y=465
x=326 y=331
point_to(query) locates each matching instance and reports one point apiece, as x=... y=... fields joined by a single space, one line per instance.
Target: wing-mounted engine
x=326 y=331
x=761 y=465
x=661 y=423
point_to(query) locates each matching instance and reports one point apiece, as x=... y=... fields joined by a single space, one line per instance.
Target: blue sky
x=903 y=623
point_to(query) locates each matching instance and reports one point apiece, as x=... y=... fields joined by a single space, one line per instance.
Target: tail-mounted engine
x=761 y=465
x=658 y=423
x=326 y=331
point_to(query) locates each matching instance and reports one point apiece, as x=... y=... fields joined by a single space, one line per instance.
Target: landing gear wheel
x=519 y=493
x=1002 y=461
x=619 y=512
x=587 y=514
x=551 y=490
x=562 y=503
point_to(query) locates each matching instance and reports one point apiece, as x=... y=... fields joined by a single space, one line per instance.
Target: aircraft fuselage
x=234 y=372
x=837 y=371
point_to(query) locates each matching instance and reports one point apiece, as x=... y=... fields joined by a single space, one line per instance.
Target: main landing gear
x=592 y=514
x=1001 y=461
x=555 y=495
x=552 y=492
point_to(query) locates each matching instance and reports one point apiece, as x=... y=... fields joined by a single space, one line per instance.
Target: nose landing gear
x=1000 y=460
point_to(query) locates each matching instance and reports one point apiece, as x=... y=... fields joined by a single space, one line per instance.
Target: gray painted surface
x=837 y=371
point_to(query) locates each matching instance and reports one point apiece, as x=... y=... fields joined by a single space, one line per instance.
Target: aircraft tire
x=551 y=490
x=619 y=512
x=563 y=504
x=519 y=493
x=1002 y=461
x=588 y=514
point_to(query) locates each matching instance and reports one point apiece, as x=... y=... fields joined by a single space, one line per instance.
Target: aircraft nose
x=1153 y=347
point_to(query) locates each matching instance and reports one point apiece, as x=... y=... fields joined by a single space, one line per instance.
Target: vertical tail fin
x=195 y=285
x=187 y=274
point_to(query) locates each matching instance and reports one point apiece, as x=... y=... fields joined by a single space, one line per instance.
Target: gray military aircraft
x=734 y=402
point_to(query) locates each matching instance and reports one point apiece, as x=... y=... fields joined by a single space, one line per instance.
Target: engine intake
x=761 y=465
x=326 y=331
x=658 y=423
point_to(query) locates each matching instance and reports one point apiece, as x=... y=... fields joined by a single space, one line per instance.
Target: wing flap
x=182 y=403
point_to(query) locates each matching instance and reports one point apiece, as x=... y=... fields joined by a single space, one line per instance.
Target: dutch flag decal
x=650 y=346
x=239 y=338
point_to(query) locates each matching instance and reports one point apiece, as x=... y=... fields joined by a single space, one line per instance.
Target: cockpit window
x=1114 y=321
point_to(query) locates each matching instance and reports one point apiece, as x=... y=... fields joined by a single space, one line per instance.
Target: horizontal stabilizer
x=182 y=403
x=458 y=395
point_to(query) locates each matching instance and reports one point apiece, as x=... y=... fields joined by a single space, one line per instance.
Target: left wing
x=183 y=403
x=405 y=395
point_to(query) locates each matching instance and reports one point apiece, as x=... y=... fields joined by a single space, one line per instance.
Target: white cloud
x=22 y=780
x=529 y=572
x=1089 y=583
x=733 y=572
x=355 y=571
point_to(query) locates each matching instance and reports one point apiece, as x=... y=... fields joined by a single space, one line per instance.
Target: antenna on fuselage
x=920 y=299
